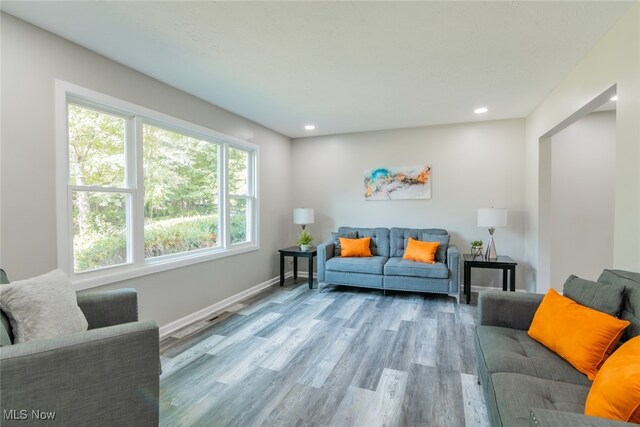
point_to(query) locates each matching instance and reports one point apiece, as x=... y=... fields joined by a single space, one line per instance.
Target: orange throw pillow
x=421 y=251
x=355 y=247
x=615 y=393
x=581 y=335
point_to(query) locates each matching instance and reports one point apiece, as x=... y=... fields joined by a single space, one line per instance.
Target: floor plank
x=448 y=410
x=333 y=356
x=316 y=375
x=475 y=411
x=419 y=397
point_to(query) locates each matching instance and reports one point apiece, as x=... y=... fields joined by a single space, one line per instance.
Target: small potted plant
x=476 y=248
x=305 y=240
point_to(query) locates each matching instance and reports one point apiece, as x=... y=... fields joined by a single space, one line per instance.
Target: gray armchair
x=106 y=376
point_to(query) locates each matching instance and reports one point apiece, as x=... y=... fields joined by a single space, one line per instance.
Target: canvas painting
x=406 y=182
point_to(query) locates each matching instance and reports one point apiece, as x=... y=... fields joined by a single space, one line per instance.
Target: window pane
x=180 y=192
x=238 y=171
x=99 y=230
x=238 y=213
x=96 y=148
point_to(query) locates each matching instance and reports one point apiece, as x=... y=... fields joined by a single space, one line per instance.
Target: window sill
x=108 y=276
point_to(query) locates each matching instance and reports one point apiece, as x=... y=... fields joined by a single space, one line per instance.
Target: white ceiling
x=344 y=66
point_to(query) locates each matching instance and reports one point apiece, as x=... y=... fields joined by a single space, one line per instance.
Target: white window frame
x=136 y=116
x=248 y=196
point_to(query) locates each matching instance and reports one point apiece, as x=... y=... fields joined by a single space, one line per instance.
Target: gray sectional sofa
x=526 y=384
x=386 y=269
x=106 y=376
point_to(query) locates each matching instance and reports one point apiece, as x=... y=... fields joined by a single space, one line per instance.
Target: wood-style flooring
x=334 y=356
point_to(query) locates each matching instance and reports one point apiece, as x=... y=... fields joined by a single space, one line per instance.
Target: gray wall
x=583 y=159
x=31 y=59
x=473 y=165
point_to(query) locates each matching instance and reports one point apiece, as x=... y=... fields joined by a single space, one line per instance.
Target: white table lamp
x=303 y=216
x=492 y=218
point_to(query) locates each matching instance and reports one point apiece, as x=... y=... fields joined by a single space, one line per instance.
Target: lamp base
x=490 y=254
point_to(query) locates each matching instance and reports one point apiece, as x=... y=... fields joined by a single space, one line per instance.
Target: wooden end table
x=296 y=252
x=504 y=263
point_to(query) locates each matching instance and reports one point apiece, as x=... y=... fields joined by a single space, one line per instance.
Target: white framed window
x=139 y=191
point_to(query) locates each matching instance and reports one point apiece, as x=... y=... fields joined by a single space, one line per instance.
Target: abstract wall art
x=398 y=183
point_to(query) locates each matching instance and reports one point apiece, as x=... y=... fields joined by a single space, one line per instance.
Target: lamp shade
x=303 y=216
x=492 y=217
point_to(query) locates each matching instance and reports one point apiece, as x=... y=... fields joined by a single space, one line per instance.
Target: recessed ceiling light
x=614 y=98
x=310 y=127
x=481 y=110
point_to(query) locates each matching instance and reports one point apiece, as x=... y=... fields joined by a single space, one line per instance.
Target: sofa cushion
x=513 y=351
x=355 y=247
x=370 y=265
x=337 y=249
x=583 y=336
x=615 y=393
x=42 y=307
x=417 y=250
x=379 y=238
x=355 y=279
x=404 y=267
x=441 y=253
x=604 y=297
x=399 y=237
x=516 y=394
x=631 y=301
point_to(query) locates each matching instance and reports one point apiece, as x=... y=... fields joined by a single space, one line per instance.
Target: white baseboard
x=489 y=288
x=303 y=274
x=171 y=327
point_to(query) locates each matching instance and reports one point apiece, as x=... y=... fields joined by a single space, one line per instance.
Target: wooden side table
x=504 y=263
x=296 y=252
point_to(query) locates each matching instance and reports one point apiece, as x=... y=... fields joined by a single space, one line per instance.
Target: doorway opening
x=577 y=184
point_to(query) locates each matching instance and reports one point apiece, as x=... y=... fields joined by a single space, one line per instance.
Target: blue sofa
x=386 y=269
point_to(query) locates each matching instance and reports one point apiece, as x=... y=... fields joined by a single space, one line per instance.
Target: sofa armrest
x=551 y=418
x=108 y=308
x=507 y=309
x=106 y=376
x=453 y=262
x=326 y=251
